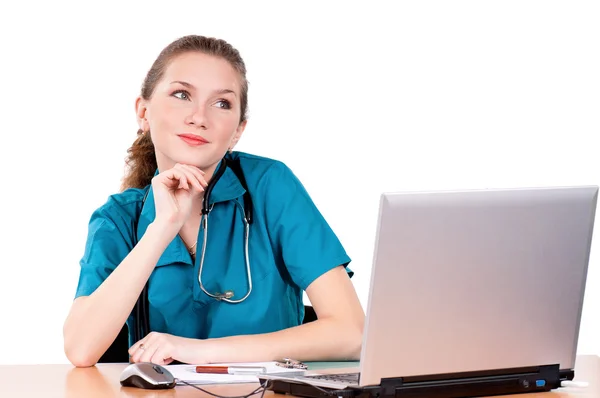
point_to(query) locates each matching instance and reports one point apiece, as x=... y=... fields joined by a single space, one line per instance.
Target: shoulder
x=120 y=210
x=111 y=236
x=262 y=172
x=256 y=163
x=273 y=186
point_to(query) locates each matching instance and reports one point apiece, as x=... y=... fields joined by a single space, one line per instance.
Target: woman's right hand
x=174 y=192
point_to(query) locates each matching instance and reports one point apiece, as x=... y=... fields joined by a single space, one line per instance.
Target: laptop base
x=513 y=381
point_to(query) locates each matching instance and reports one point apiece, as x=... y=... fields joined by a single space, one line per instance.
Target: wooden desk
x=102 y=380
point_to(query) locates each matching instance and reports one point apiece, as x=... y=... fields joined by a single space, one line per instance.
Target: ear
x=238 y=133
x=141 y=108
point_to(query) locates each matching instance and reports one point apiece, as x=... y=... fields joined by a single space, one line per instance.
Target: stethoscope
x=142 y=326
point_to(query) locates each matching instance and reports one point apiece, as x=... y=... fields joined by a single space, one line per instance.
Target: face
x=194 y=113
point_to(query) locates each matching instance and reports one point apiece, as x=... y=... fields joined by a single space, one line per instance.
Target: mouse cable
x=577 y=384
x=263 y=387
x=260 y=389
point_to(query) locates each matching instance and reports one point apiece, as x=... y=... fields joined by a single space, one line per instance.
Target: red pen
x=232 y=370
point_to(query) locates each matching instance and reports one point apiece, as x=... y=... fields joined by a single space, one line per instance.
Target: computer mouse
x=148 y=376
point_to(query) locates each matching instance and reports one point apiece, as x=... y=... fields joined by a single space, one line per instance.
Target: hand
x=163 y=348
x=174 y=191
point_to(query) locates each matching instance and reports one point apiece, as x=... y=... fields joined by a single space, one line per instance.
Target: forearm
x=322 y=340
x=95 y=320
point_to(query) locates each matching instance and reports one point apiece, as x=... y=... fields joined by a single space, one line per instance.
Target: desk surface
x=102 y=381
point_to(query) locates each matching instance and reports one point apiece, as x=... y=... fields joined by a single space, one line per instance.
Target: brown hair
x=141 y=159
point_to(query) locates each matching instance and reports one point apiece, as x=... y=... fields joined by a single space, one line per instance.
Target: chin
x=202 y=162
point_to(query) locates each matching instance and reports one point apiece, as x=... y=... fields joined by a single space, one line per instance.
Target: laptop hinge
x=388 y=386
x=567 y=374
x=508 y=381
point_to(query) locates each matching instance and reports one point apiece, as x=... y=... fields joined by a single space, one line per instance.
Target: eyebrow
x=220 y=91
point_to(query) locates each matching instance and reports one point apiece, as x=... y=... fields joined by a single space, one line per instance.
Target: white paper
x=188 y=373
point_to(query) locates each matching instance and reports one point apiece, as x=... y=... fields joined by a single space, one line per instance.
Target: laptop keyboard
x=348 y=378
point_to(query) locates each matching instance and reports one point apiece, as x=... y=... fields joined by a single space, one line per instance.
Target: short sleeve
x=108 y=242
x=305 y=241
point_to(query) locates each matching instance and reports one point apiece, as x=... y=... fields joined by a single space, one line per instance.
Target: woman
x=191 y=113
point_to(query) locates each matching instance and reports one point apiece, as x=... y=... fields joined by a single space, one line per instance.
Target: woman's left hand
x=163 y=348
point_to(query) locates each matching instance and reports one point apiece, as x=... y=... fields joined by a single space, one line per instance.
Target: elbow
x=357 y=327
x=352 y=343
x=77 y=342
x=82 y=362
x=80 y=358
x=78 y=352
x=356 y=343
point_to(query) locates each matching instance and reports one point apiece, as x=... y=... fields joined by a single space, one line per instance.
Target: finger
x=197 y=179
x=169 y=178
x=137 y=354
x=136 y=346
x=199 y=174
x=184 y=181
x=142 y=345
x=149 y=352
x=139 y=351
x=149 y=345
x=176 y=179
x=162 y=356
x=191 y=177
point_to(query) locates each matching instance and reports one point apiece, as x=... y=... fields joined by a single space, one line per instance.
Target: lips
x=193 y=139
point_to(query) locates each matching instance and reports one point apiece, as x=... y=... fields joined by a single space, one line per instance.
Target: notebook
x=187 y=373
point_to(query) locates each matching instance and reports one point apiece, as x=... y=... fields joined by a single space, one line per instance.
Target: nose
x=198 y=117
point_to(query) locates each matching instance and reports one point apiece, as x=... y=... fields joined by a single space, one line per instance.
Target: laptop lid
x=477 y=280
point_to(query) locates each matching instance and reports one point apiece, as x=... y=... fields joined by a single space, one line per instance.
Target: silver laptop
x=472 y=281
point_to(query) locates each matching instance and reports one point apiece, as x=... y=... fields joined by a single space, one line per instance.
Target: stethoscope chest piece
x=227 y=295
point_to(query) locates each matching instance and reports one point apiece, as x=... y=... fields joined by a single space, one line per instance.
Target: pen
x=232 y=370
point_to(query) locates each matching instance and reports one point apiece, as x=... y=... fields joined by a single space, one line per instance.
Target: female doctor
x=215 y=294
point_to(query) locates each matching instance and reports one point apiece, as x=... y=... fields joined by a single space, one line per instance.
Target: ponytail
x=140 y=161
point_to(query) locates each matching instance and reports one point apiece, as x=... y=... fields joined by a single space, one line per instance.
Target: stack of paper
x=188 y=373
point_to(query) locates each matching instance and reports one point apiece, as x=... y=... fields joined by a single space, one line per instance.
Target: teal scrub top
x=290 y=245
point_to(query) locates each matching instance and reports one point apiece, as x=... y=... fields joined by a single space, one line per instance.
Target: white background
x=356 y=98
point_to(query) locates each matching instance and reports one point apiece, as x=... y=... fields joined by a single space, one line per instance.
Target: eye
x=223 y=104
x=181 y=94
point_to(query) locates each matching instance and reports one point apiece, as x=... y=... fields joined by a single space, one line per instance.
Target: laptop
x=472 y=293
